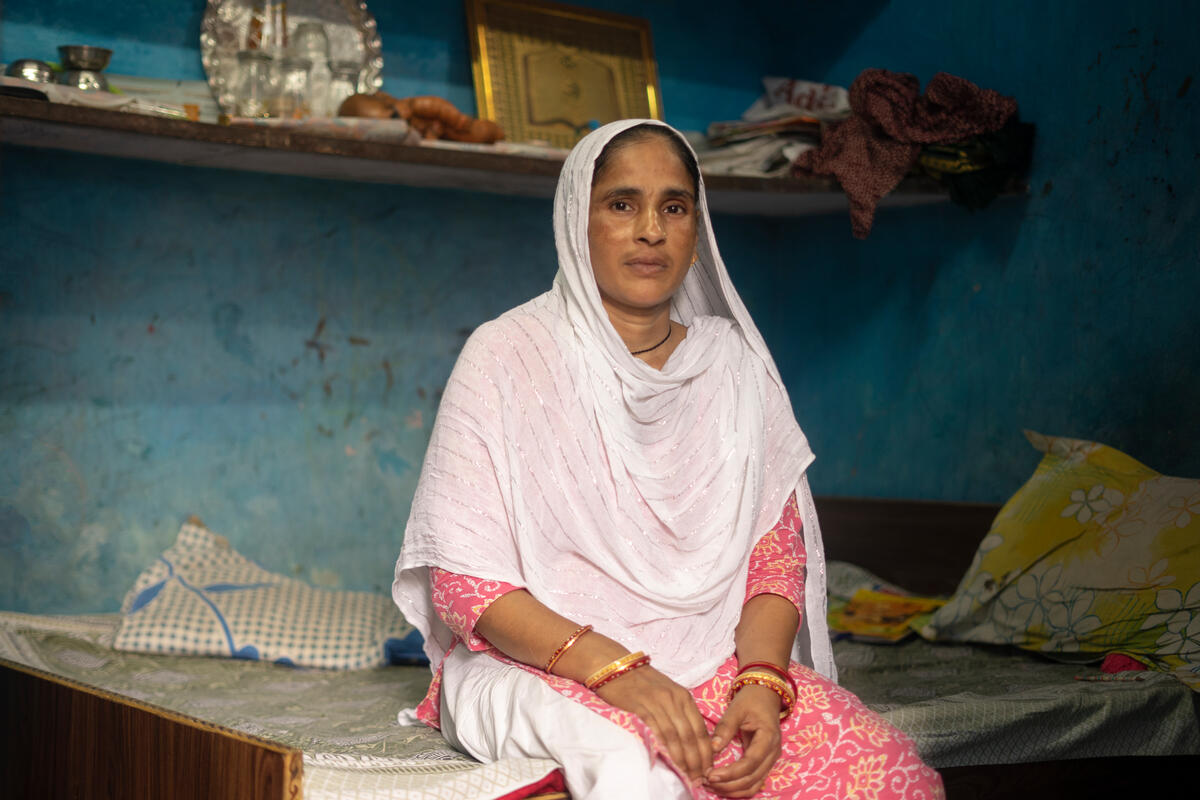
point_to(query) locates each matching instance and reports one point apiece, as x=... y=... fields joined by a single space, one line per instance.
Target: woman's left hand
x=754 y=715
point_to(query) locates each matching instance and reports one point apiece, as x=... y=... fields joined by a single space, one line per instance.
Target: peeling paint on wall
x=263 y=398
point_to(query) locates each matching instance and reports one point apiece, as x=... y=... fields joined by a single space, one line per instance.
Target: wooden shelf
x=36 y=123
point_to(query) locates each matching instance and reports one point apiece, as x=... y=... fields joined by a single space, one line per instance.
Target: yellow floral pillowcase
x=1095 y=554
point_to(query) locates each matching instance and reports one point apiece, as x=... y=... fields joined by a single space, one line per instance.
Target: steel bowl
x=86 y=57
x=85 y=79
x=30 y=69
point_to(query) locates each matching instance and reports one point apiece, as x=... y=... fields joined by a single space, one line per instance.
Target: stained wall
x=266 y=352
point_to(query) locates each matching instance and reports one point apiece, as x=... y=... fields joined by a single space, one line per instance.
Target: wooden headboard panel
x=923 y=546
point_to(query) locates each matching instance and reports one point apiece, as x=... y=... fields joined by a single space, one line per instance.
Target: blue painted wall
x=266 y=352
x=930 y=345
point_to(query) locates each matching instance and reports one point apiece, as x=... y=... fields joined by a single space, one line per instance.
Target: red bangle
x=562 y=648
x=767 y=665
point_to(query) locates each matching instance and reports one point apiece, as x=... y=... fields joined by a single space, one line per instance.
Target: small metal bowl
x=82 y=56
x=30 y=69
x=86 y=79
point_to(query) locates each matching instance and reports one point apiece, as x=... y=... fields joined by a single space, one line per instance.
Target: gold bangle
x=766 y=676
x=612 y=667
x=770 y=682
x=782 y=672
x=616 y=673
x=764 y=679
x=562 y=648
x=786 y=701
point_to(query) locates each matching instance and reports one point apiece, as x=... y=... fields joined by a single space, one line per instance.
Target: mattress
x=966 y=705
x=963 y=705
x=344 y=722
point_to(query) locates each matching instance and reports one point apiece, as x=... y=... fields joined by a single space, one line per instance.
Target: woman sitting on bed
x=613 y=552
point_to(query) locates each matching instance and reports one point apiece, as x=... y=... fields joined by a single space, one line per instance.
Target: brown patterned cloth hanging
x=875 y=147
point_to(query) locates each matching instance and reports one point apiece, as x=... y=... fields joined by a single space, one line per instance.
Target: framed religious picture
x=550 y=73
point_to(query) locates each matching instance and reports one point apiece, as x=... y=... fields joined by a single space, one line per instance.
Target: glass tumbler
x=294 y=89
x=343 y=82
x=268 y=27
x=254 y=90
x=309 y=40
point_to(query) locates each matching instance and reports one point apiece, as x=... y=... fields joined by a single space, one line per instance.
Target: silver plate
x=351 y=29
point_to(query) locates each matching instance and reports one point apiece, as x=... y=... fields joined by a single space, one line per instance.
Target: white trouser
x=491 y=710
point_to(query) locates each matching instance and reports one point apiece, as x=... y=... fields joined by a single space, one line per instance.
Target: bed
x=1000 y=722
x=996 y=721
x=156 y=726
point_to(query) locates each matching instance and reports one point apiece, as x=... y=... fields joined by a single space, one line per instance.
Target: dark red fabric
x=872 y=150
x=1119 y=662
x=551 y=783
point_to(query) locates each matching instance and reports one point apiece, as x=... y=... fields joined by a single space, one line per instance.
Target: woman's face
x=641 y=227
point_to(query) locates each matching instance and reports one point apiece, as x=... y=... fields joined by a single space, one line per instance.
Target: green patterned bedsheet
x=345 y=722
x=961 y=704
x=968 y=704
x=971 y=704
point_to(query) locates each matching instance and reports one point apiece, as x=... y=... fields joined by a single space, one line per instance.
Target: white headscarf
x=617 y=494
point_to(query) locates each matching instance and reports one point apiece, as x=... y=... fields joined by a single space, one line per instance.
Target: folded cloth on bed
x=202 y=597
x=1095 y=554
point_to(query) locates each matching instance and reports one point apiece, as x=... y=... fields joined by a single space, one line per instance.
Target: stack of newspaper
x=781 y=124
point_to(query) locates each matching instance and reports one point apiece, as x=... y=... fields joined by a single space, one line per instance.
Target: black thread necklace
x=660 y=344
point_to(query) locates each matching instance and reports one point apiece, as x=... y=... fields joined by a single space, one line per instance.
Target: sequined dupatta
x=618 y=494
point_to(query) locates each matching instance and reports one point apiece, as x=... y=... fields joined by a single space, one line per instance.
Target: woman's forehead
x=642 y=163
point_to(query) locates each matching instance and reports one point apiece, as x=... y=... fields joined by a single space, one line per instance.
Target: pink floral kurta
x=833 y=745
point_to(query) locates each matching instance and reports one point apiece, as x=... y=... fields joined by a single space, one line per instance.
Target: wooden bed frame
x=64 y=740
x=67 y=740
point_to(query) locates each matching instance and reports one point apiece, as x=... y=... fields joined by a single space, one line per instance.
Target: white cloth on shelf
x=70 y=95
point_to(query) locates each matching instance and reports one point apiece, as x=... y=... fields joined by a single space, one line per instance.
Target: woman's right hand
x=671 y=713
x=525 y=629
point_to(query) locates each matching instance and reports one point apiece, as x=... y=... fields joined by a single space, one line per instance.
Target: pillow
x=201 y=597
x=1095 y=554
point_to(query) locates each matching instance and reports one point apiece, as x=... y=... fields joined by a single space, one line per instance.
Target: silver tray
x=351 y=29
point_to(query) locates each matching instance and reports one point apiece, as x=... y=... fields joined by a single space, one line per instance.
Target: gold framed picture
x=549 y=72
